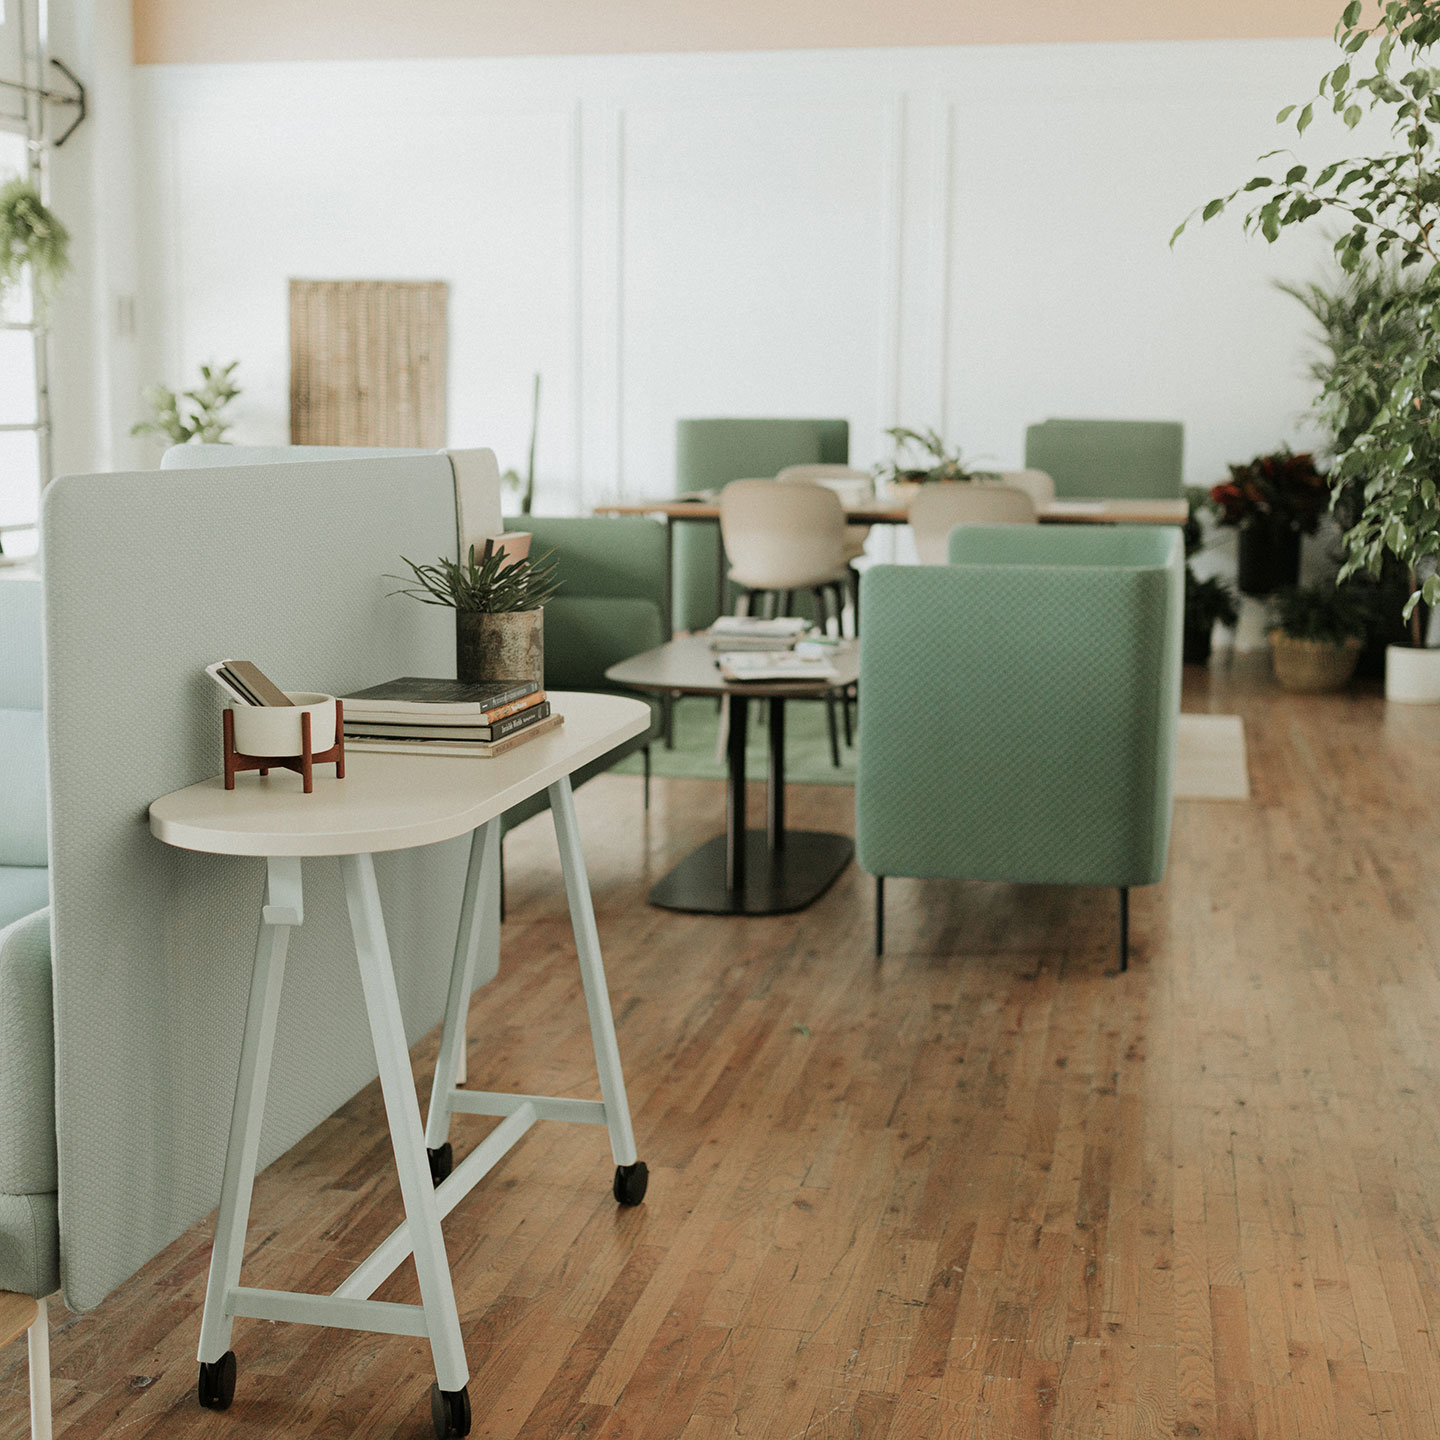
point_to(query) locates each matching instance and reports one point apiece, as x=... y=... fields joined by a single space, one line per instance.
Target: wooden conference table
x=704 y=508
x=745 y=872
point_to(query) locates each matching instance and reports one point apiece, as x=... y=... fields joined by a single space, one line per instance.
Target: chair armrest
x=27 y=1058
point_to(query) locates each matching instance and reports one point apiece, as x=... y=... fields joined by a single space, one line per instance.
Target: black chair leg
x=502 y=879
x=879 y=916
x=845 y=721
x=646 y=753
x=1124 y=928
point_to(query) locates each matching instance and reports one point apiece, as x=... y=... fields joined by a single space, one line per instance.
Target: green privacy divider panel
x=148 y=578
x=1020 y=708
x=1109 y=459
x=709 y=454
x=20 y=647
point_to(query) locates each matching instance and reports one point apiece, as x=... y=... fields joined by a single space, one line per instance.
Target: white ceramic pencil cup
x=299 y=736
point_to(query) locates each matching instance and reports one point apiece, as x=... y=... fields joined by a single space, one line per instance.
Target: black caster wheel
x=449 y=1410
x=217 y=1382
x=631 y=1182
x=442 y=1162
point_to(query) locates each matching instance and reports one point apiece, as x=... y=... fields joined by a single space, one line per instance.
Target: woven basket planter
x=1310 y=667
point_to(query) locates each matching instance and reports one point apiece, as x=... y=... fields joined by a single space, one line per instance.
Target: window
x=24 y=418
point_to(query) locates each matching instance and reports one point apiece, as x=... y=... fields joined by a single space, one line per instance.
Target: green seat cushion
x=23 y=890
x=1109 y=459
x=22 y=788
x=1019 y=718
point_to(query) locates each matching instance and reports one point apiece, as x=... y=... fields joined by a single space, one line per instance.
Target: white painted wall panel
x=973 y=238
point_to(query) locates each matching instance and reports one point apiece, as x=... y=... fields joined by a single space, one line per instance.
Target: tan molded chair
x=833 y=477
x=1035 y=483
x=937 y=509
x=787 y=538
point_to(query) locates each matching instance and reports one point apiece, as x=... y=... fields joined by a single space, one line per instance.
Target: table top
x=387 y=801
x=687 y=666
x=876 y=512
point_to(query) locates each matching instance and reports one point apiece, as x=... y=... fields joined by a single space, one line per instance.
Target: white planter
x=275 y=729
x=1412 y=676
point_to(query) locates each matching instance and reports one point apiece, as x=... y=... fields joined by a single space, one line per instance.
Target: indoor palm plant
x=499 y=619
x=1389 y=206
x=1273 y=500
x=1318 y=634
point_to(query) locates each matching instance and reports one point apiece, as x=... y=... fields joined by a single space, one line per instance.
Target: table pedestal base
x=776 y=882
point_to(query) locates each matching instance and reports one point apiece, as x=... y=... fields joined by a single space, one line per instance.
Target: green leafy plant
x=1207 y=601
x=490 y=583
x=1383 y=396
x=943 y=463
x=1284 y=488
x=1320 y=612
x=204 y=421
x=31 y=236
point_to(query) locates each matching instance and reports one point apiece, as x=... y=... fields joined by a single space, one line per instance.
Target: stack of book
x=775 y=667
x=733 y=633
x=445 y=717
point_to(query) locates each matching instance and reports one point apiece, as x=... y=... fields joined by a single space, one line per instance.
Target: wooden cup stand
x=303 y=764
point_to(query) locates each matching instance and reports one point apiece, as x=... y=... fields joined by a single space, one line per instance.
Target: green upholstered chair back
x=612 y=602
x=709 y=454
x=23 y=850
x=1020 y=707
x=1109 y=459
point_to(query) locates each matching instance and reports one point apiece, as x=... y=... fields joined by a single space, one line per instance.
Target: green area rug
x=697 y=724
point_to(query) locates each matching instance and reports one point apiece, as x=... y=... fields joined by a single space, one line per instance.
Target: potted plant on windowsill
x=1317 y=639
x=1272 y=500
x=498 y=604
x=1389 y=206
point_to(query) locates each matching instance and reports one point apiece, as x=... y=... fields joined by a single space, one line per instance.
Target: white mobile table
x=396 y=802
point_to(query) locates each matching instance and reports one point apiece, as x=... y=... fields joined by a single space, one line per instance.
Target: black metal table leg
x=775 y=809
x=735 y=804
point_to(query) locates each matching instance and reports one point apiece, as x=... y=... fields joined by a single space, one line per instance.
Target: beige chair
x=784 y=538
x=849 y=484
x=1035 y=483
x=937 y=509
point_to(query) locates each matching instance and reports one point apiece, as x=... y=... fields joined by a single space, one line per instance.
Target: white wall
x=973 y=238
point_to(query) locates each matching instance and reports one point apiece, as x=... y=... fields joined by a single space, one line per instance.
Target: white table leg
x=477 y=934
x=283 y=908
x=397 y=1084
x=592 y=973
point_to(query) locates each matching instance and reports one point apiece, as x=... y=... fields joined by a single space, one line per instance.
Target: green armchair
x=1019 y=710
x=1109 y=459
x=611 y=606
x=709 y=454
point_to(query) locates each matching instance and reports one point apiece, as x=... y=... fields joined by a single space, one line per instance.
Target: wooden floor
x=986 y=1189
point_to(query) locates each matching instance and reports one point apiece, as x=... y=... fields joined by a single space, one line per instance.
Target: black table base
x=777 y=882
x=755 y=872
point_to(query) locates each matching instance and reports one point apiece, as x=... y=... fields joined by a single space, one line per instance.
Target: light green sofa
x=709 y=454
x=24 y=878
x=1019 y=709
x=1109 y=459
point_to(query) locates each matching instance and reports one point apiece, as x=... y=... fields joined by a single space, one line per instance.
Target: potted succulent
x=497 y=600
x=1317 y=638
x=940 y=463
x=1273 y=500
x=1387 y=207
x=31 y=237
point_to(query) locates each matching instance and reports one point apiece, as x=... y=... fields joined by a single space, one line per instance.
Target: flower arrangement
x=206 y=422
x=1283 y=489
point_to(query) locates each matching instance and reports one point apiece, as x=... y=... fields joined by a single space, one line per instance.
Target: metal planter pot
x=507 y=646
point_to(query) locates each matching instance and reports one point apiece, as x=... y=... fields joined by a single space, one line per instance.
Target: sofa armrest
x=27 y=1058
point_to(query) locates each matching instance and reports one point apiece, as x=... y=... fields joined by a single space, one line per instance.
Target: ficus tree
x=1384 y=209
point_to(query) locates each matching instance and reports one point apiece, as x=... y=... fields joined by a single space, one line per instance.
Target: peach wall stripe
x=207 y=31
